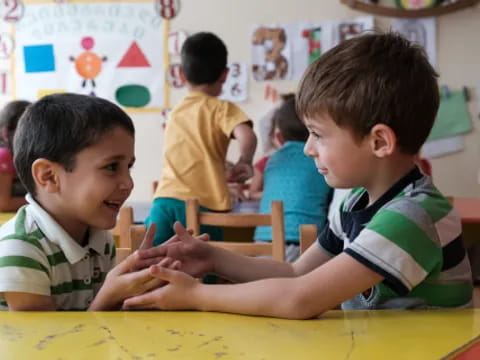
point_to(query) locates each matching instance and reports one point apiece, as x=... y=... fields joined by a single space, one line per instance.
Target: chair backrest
x=135 y=238
x=276 y=248
x=308 y=235
x=121 y=231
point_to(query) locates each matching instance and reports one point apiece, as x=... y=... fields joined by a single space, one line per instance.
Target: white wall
x=458 y=59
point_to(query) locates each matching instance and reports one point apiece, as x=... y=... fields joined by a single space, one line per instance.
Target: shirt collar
x=57 y=235
x=364 y=214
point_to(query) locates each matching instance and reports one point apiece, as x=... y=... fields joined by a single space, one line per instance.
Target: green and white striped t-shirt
x=412 y=237
x=37 y=256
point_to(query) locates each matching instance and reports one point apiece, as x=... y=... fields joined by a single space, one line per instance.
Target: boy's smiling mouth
x=114 y=205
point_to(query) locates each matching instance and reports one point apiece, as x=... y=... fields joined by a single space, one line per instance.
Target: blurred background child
x=292 y=177
x=12 y=191
x=270 y=145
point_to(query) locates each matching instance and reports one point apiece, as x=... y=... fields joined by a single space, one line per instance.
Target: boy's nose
x=127 y=182
x=308 y=148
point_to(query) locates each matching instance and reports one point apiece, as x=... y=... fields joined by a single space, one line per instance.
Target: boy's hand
x=194 y=253
x=240 y=172
x=178 y=294
x=122 y=283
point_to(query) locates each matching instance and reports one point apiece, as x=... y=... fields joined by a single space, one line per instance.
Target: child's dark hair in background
x=292 y=177
x=12 y=191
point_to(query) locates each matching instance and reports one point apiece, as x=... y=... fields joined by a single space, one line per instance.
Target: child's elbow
x=302 y=306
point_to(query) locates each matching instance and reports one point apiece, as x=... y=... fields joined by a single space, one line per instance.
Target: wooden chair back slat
x=276 y=248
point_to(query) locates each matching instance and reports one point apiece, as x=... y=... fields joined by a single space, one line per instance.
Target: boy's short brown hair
x=372 y=79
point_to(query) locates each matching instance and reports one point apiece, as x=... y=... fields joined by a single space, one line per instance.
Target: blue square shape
x=39 y=58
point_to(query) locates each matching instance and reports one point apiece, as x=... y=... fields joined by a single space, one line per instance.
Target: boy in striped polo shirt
x=395 y=241
x=73 y=153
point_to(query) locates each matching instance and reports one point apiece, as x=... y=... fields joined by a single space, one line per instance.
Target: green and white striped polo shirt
x=412 y=237
x=37 y=256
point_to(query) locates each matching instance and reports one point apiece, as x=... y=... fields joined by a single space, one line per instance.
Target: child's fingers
x=152 y=284
x=163 y=273
x=126 y=265
x=149 y=236
x=144 y=301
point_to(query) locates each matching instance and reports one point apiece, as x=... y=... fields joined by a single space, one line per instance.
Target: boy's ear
x=279 y=137
x=224 y=76
x=45 y=175
x=383 y=140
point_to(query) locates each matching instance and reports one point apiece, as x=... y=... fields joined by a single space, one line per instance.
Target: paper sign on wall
x=109 y=49
x=235 y=89
x=420 y=31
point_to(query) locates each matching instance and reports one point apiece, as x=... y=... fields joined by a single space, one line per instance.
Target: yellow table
x=4 y=217
x=195 y=335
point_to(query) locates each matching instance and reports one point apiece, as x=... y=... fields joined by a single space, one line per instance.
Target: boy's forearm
x=269 y=297
x=248 y=142
x=240 y=268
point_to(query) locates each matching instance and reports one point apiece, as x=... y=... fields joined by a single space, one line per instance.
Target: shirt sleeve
x=399 y=246
x=230 y=115
x=24 y=267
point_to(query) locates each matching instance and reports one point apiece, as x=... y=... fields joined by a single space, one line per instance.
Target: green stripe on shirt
x=392 y=225
x=22 y=261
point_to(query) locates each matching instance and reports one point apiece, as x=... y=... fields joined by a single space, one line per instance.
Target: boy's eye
x=112 y=167
x=314 y=134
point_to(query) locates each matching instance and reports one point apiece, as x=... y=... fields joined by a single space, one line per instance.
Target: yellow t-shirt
x=195 y=146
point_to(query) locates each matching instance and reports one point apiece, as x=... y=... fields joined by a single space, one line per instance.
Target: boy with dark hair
x=196 y=140
x=292 y=177
x=73 y=153
x=395 y=242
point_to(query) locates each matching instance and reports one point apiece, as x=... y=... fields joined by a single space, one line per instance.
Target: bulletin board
x=111 y=49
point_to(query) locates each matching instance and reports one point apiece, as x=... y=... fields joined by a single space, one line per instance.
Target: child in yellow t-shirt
x=196 y=140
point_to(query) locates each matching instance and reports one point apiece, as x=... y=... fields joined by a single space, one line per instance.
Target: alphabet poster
x=113 y=50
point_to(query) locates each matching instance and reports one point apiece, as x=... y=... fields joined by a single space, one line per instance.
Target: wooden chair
x=121 y=231
x=135 y=238
x=276 y=248
x=308 y=235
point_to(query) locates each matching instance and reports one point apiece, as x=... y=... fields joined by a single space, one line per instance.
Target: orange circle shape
x=88 y=65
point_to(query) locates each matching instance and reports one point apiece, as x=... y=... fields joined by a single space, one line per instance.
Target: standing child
x=12 y=191
x=369 y=104
x=291 y=176
x=74 y=155
x=197 y=136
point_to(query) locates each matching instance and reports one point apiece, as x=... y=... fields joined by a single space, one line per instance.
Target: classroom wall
x=458 y=62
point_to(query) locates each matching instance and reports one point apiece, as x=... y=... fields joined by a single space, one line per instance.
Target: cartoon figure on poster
x=88 y=64
x=271 y=54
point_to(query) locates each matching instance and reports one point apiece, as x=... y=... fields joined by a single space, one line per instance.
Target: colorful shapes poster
x=112 y=50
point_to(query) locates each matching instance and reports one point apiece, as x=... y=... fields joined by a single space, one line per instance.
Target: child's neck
x=208 y=89
x=387 y=174
x=77 y=230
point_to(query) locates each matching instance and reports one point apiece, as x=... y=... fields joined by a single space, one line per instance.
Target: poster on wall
x=235 y=88
x=420 y=31
x=271 y=53
x=284 y=51
x=347 y=29
x=113 y=50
